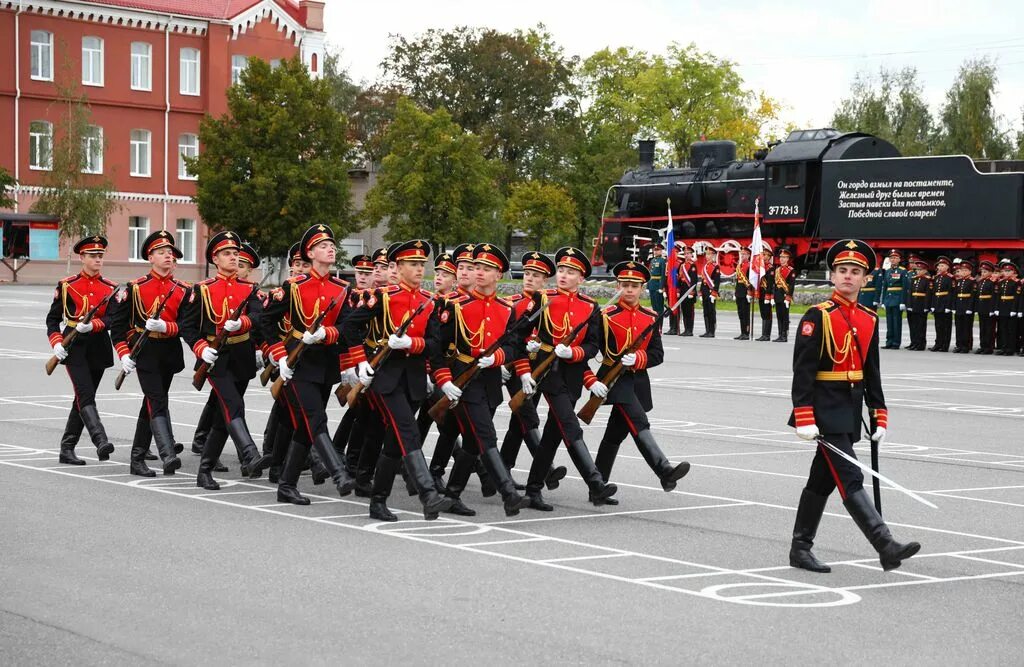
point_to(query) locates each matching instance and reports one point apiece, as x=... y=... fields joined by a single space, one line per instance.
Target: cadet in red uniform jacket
x=687 y=278
x=766 y=293
x=710 y=280
x=563 y=383
x=836 y=371
x=400 y=382
x=205 y=314
x=744 y=294
x=308 y=385
x=785 y=283
x=160 y=359
x=90 y=355
x=630 y=397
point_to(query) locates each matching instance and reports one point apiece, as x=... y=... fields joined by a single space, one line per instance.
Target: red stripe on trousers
x=835 y=475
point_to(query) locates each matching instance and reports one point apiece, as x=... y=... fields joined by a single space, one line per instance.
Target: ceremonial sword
x=877 y=475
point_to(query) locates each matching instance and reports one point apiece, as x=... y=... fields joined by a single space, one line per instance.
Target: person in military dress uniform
x=896 y=290
x=870 y=295
x=202 y=317
x=160 y=359
x=966 y=291
x=688 y=277
x=657 y=285
x=919 y=304
x=1009 y=297
x=399 y=383
x=744 y=294
x=91 y=354
x=766 y=293
x=710 y=281
x=835 y=372
x=943 y=302
x=986 y=304
x=562 y=385
x=782 y=296
x=623 y=323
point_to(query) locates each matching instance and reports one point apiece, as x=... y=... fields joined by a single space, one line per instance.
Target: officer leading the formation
x=835 y=372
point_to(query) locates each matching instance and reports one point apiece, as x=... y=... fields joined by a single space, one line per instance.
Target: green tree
x=372 y=113
x=968 y=122
x=82 y=200
x=7 y=183
x=889 y=105
x=435 y=182
x=507 y=88
x=544 y=211
x=276 y=163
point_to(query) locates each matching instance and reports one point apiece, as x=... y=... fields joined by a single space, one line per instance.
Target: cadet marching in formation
x=403 y=357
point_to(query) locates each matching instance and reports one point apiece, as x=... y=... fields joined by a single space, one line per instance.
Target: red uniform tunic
x=72 y=300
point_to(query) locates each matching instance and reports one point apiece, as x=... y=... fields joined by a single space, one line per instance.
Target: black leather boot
x=161 y=428
x=465 y=464
x=410 y=487
x=91 y=419
x=808 y=516
x=433 y=503
x=555 y=474
x=383 y=480
x=343 y=481
x=240 y=435
x=447 y=441
x=511 y=500
x=288 y=486
x=211 y=453
x=766 y=330
x=659 y=463
x=270 y=430
x=317 y=470
x=140 y=445
x=203 y=427
x=600 y=491
x=543 y=456
x=369 y=459
x=72 y=432
x=606 y=454
x=891 y=553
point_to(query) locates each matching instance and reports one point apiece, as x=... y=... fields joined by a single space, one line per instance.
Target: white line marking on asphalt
x=597 y=515
x=572 y=558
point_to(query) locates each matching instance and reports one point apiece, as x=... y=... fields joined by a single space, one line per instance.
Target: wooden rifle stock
x=384 y=352
x=199 y=377
x=296 y=353
x=72 y=336
x=143 y=337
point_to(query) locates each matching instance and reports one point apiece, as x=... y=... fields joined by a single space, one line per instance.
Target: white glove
x=712 y=299
x=451 y=391
x=157 y=325
x=399 y=342
x=969 y=312
x=786 y=304
x=286 y=371
x=260 y=363
x=209 y=355
x=948 y=310
x=563 y=351
x=629 y=360
x=349 y=378
x=232 y=325
x=881 y=306
x=932 y=310
x=599 y=389
x=271 y=361
x=314 y=337
x=60 y=352
x=771 y=301
x=995 y=313
x=485 y=362
x=430 y=384
x=529 y=384
x=506 y=374
x=879 y=434
x=1013 y=314
x=750 y=299
x=83 y=327
x=365 y=373
x=532 y=346
x=808 y=432
x=127 y=364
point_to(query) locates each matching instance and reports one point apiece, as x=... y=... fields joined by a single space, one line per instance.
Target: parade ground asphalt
x=99 y=567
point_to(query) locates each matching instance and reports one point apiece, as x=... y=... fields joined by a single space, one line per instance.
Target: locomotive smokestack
x=646 y=150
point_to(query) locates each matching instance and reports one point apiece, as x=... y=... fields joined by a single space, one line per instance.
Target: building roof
x=207 y=9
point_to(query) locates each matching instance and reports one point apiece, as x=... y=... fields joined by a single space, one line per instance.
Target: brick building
x=151 y=69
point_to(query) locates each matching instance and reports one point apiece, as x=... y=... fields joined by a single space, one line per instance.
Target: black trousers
x=782 y=316
x=1007 y=334
x=964 y=331
x=686 y=311
x=765 y=308
x=229 y=393
x=743 y=309
x=986 y=331
x=918 y=325
x=307 y=404
x=625 y=419
x=562 y=423
x=710 y=314
x=829 y=470
x=521 y=422
x=155 y=385
x=943 y=329
x=402 y=435
x=476 y=423
x=84 y=380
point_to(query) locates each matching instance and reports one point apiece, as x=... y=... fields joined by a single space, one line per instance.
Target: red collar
x=625 y=306
x=566 y=292
x=316 y=276
x=484 y=297
x=842 y=301
x=232 y=278
x=156 y=276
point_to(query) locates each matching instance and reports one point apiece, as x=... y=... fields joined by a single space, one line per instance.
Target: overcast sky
x=804 y=54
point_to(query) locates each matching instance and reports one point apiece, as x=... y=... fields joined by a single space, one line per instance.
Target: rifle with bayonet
x=199 y=377
x=72 y=336
x=384 y=352
x=144 y=336
x=296 y=353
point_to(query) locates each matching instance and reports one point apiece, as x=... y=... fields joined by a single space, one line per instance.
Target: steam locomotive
x=815 y=187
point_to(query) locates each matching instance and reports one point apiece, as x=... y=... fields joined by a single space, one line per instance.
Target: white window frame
x=237 y=67
x=39 y=130
x=136 y=235
x=91 y=143
x=190 y=149
x=142 y=67
x=275 y=63
x=41 y=55
x=189 y=71
x=135 y=154
x=92 y=62
x=186 y=240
